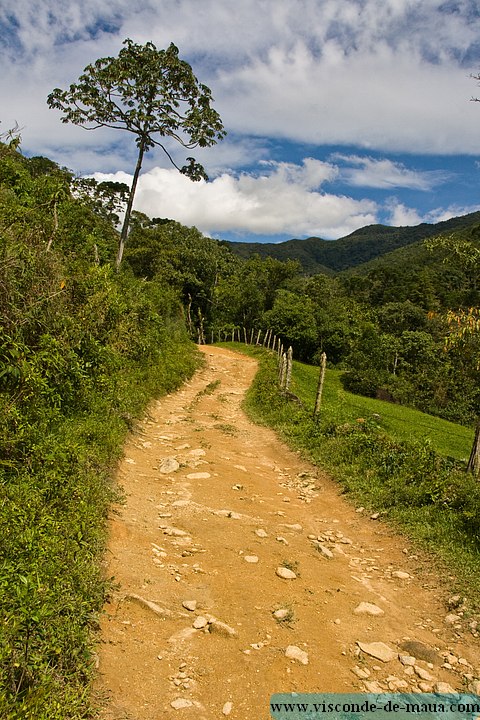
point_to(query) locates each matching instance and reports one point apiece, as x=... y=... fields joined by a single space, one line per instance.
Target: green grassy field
x=338 y=405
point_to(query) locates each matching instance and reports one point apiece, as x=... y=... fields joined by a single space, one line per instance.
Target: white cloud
x=369 y=172
x=376 y=98
x=286 y=199
x=384 y=74
x=401 y=215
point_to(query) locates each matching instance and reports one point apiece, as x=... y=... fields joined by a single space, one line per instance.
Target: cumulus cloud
x=384 y=173
x=286 y=198
x=385 y=76
x=400 y=215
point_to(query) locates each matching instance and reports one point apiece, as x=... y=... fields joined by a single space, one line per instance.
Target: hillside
x=329 y=256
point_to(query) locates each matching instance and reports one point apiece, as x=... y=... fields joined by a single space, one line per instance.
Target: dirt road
x=202 y=624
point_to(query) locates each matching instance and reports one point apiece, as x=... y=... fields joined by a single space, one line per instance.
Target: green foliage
x=82 y=350
x=185 y=260
x=292 y=318
x=146 y=92
x=329 y=256
x=244 y=297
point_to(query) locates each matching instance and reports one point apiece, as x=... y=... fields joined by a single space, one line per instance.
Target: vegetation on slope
x=82 y=351
x=316 y=255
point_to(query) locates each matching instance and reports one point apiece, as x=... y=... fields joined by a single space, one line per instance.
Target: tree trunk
x=128 y=211
x=474 y=460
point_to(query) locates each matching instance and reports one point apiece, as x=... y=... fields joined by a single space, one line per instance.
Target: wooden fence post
x=318 y=399
x=283 y=371
x=289 y=368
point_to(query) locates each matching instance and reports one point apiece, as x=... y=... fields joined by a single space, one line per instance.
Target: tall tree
x=150 y=93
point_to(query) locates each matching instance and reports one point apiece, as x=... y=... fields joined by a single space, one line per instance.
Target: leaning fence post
x=318 y=400
x=245 y=335
x=258 y=337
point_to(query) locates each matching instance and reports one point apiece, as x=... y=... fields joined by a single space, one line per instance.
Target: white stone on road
x=181 y=703
x=295 y=653
x=168 y=465
x=190 y=605
x=285 y=573
x=378 y=650
x=200 y=622
x=366 y=608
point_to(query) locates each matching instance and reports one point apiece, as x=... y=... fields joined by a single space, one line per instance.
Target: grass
x=400 y=462
x=403 y=423
x=52 y=531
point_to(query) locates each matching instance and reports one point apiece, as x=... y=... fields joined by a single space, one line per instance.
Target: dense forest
x=330 y=256
x=83 y=348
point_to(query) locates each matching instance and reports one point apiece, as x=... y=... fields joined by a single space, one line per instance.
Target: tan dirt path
x=189 y=531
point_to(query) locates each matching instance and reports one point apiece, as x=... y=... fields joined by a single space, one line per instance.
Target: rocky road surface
x=241 y=571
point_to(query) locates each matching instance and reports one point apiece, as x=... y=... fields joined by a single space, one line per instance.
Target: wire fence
x=273 y=343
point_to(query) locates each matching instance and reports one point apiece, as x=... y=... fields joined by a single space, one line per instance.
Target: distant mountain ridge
x=316 y=255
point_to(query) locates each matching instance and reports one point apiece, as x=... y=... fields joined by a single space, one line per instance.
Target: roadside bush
x=82 y=351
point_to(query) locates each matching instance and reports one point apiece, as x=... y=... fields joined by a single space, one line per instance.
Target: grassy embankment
x=82 y=351
x=400 y=462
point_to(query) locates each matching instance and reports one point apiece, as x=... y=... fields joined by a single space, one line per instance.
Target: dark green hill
x=329 y=256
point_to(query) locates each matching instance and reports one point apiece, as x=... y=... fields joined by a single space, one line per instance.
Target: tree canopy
x=150 y=93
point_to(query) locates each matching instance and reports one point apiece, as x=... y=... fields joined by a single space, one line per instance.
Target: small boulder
x=366 y=608
x=378 y=650
x=295 y=653
x=190 y=605
x=285 y=573
x=168 y=465
x=200 y=622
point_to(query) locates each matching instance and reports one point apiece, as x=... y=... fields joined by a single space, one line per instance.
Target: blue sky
x=339 y=113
